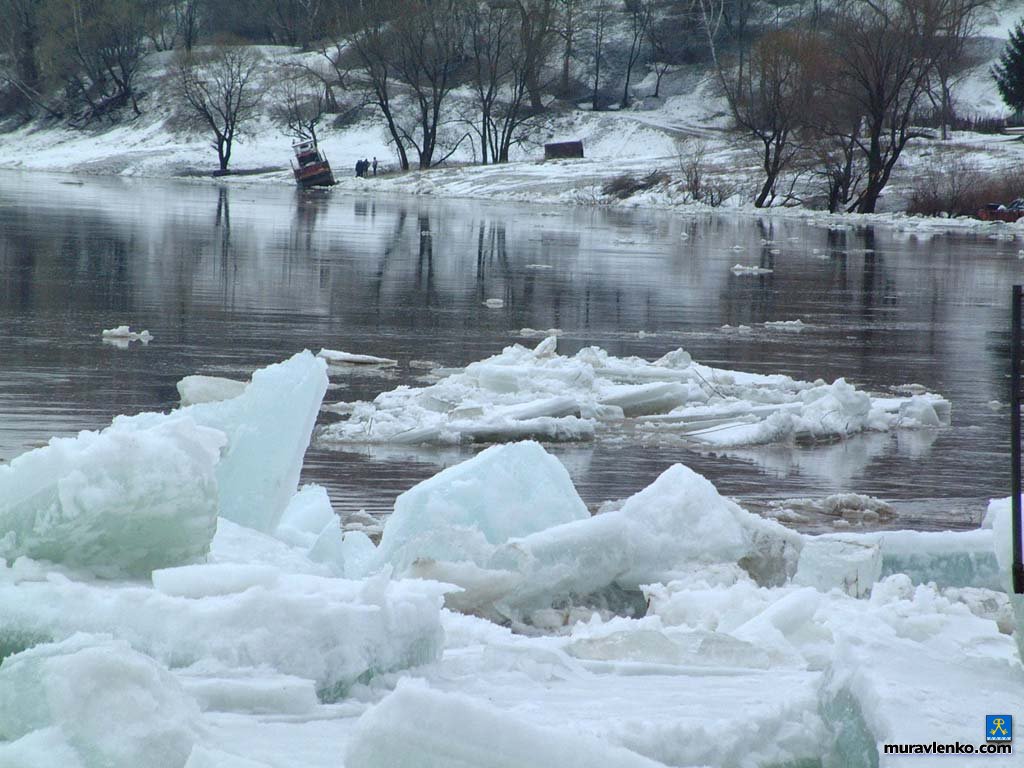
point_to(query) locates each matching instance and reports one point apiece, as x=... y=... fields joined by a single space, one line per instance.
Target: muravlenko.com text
x=956 y=748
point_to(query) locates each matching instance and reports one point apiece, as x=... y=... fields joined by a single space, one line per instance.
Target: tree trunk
x=223 y=152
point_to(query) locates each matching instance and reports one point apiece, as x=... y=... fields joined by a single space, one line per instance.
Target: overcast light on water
x=230 y=279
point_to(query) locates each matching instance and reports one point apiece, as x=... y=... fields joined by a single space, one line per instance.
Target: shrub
x=958 y=187
x=625 y=186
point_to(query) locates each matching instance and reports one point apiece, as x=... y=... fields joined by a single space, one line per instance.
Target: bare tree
x=952 y=58
x=21 y=68
x=537 y=35
x=101 y=45
x=599 y=18
x=885 y=51
x=499 y=80
x=300 y=103
x=768 y=97
x=186 y=14
x=570 y=19
x=365 y=58
x=220 y=93
x=639 y=20
x=430 y=48
x=407 y=56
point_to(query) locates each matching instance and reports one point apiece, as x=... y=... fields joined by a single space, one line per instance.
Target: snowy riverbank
x=658 y=139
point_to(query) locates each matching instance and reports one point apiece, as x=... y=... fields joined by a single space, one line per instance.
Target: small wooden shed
x=563 y=149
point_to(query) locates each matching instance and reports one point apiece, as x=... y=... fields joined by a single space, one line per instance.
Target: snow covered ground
x=219 y=617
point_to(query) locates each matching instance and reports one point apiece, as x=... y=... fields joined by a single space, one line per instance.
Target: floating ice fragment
x=125 y=333
x=250 y=691
x=337 y=357
x=305 y=517
x=785 y=325
x=532 y=332
x=494 y=303
x=195 y=581
x=740 y=269
x=208 y=389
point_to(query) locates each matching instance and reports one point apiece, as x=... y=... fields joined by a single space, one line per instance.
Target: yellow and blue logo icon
x=998 y=728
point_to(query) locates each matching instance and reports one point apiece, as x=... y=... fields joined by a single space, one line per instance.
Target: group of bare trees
x=87 y=52
x=839 y=94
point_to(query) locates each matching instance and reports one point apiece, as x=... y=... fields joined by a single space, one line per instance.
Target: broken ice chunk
x=827 y=563
x=403 y=730
x=678 y=520
x=250 y=691
x=96 y=698
x=306 y=515
x=463 y=512
x=211 y=579
x=268 y=428
x=120 y=502
x=329 y=630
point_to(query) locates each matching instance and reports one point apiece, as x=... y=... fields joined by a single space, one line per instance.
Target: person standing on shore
x=375 y=166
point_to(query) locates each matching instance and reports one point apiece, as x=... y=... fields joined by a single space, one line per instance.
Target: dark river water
x=229 y=280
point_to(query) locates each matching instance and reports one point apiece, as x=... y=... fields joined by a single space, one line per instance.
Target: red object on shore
x=313 y=169
x=1005 y=214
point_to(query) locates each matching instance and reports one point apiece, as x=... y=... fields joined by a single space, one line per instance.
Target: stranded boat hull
x=312 y=169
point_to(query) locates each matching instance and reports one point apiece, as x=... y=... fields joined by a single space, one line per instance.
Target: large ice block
x=462 y=513
x=914 y=668
x=677 y=521
x=120 y=502
x=852 y=567
x=96 y=699
x=268 y=428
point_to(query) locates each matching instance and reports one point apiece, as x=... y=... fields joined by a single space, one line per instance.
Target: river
x=229 y=279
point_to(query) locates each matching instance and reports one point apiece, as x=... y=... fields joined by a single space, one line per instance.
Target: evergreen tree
x=1009 y=72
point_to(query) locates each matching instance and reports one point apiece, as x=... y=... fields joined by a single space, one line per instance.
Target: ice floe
x=740 y=269
x=538 y=393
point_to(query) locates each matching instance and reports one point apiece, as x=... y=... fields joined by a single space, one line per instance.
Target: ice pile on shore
x=131 y=604
x=538 y=393
x=170 y=598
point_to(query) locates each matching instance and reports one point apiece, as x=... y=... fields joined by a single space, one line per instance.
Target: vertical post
x=1015 y=469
